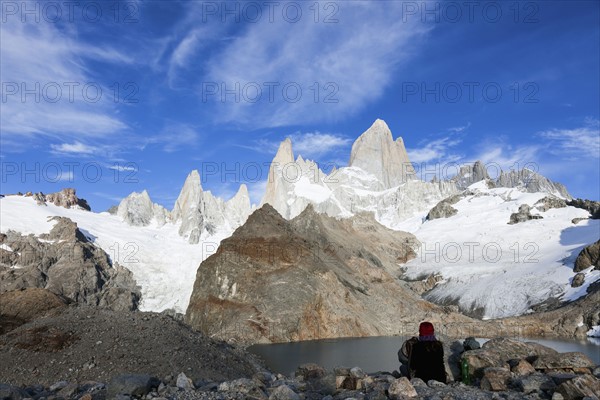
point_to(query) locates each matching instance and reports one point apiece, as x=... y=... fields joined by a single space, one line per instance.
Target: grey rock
x=244 y=386
x=561 y=377
x=470 y=174
x=310 y=371
x=524 y=214
x=535 y=383
x=58 y=386
x=401 y=388
x=495 y=379
x=471 y=343
x=588 y=257
x=418 y=382
x=435 y=384
x=522 y=368
x=283 y=392
x=578 y=280
x=69 y=265
x=531 y=182
x=9 y=392
x=593 y=207
x=550 y=202
x=579 y=387
x=561 y=361
x=356 y=372
x=443 y=209
x=183 y=382
x=131 y=385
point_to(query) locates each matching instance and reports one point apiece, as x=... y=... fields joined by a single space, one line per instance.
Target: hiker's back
x=427 y=360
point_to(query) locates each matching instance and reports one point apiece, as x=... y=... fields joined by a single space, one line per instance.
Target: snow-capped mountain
x=494 y=269
x=163 y=248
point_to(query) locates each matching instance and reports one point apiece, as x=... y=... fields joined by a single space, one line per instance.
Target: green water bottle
x=464 y=370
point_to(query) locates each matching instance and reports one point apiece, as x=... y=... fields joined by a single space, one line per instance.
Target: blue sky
x=114 y=97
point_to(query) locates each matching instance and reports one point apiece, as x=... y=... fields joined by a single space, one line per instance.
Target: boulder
x=245 y=386
x=401 y=388
x=578 y=279
x=183 y=382
x=495 y=379
x=310 y=371
x=588 y=257
x=522 y=368
x=497 y=352
x=562 y=361
x=524 y=214
x=283 y=392
x=549 y=202
x=9 y=392
x=131 y=385
x=579 y=387
x=535 y=383
x=443 y=209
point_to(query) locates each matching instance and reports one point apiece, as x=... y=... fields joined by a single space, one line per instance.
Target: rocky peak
x=66 y=198
x=469 y=174
x=376 y=152
x=532 y=182
x=138 y=209
x=276 y=192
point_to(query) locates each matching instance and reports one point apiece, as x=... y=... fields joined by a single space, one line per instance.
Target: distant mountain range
x=485 y=247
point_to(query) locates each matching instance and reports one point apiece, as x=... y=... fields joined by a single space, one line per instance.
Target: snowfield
x=163 y=263
x=500 y=269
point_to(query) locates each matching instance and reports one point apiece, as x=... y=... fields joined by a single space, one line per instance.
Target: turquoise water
x=372 y=354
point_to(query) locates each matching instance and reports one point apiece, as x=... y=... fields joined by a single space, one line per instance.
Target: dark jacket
x=427 y=361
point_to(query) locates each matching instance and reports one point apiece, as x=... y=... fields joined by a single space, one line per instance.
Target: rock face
x=312 y=277
x=199 y=212
x=523 y=215
x=65 y=198
x=469 y=174
x=138 y=209
x=384 y=183
x=444 y=208
x=588 y=257
x=550 y=202
x=531 y=182
x=67 y=264
x=592 y=206
x=376 y=152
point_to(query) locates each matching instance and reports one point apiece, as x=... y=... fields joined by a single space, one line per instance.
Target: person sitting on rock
x=426 y=356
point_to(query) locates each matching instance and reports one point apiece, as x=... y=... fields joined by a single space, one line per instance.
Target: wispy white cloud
x=174 y=137
x=50 y=63
x=352 y=67
x=435 y=151
x=582 y=142
x=306 y=144
x=76 y=148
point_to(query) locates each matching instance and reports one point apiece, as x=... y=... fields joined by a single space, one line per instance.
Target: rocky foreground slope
x=82 y=343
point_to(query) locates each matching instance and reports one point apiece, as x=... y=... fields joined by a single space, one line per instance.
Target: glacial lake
x=374 y=353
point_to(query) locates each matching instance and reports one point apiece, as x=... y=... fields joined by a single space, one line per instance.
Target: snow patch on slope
x=163 y=263
x=497 y=268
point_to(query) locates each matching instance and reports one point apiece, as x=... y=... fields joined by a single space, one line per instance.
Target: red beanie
x=426 y=329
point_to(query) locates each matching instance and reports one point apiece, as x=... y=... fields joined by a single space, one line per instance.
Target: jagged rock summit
x=196 y=211
x=376 y=152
